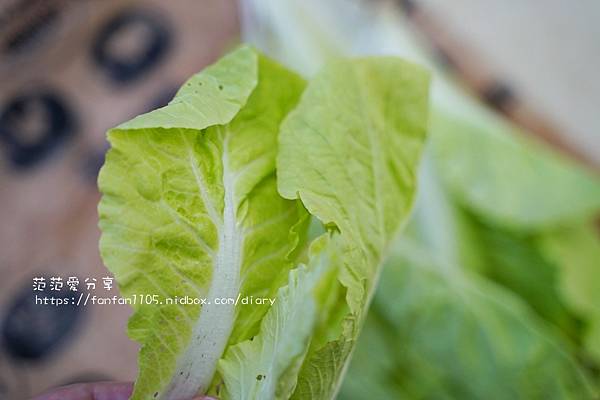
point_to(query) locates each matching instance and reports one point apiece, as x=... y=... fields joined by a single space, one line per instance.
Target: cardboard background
x=48 y=219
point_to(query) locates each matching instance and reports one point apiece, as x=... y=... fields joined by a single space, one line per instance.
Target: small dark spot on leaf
x=259 y=377
x=220 y=87
x=155 y=394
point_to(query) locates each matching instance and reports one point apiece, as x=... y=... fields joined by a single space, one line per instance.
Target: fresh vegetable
x=492 y=291
x=502 y=299
x=211 y=197
x=434 y=332
x=525 y=219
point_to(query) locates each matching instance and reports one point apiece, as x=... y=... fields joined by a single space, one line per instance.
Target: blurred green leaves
x=493 y=292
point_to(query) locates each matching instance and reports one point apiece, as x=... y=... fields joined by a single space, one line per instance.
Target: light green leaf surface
x=520 y=209
x=576 y=252
x=514 y=260
x=436 y=333
x=350 y=151
x=212 y=97
x=499 y=173
x=266 y=366
x=190 y=208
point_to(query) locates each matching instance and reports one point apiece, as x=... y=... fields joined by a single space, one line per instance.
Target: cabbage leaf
x=190 y=208
x=437 y=332
x=210 y=197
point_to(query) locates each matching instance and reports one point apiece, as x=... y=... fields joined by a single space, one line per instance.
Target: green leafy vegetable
x=349 y=151
x=207 y=198
x=516 y=205
x=576 y=253
x=267 y=366
x=190 y=208
x=501 y=301
x=492 y=291
x=500 y=174
x=435 y=332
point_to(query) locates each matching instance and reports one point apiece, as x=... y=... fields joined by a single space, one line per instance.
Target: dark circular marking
x=150 y=45
x=33 y=125
x=33 y=331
